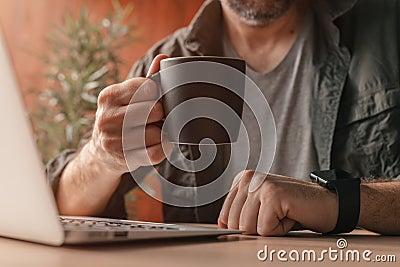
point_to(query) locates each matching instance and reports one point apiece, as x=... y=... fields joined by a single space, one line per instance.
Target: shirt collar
x=334 y=9
x=205 y=31
x=204 y=35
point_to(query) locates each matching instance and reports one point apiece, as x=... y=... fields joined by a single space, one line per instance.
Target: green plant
x=82 y=60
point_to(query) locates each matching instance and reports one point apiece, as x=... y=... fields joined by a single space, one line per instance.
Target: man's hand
x=144 y=145
x=276 y=205
x=90 y=179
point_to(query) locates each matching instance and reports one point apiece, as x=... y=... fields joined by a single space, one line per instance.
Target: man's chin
x=259 y=13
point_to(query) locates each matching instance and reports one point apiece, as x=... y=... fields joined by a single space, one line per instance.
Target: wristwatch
x=348 y=192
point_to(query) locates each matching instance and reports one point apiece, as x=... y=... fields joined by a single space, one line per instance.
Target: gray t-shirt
x=287 y=89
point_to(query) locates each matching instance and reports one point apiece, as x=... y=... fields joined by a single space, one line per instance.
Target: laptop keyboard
x=98 y=224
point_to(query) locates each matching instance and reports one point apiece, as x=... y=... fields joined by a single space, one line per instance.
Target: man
x=330 y=71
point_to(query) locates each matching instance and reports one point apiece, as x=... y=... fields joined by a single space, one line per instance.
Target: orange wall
x=26 y=24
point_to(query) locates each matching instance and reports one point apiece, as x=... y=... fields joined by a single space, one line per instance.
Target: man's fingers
x=249 y=215
x=148 y=156
x=257 y=180
x=145 y=136
x=147 y=90
x=132 y=90
x=224 y=213
x=155 y=64
x=237 y=179
x=236 y=208
x=238 y=202
x=142 y=113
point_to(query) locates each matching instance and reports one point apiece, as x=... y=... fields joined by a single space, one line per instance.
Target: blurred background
x=65 y=51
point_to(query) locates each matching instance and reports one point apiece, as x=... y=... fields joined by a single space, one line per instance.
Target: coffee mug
x=202 y=98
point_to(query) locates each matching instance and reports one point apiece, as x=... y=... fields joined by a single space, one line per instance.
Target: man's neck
x=271 y=42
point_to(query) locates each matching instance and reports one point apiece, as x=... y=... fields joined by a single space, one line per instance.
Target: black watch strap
x=348 y=194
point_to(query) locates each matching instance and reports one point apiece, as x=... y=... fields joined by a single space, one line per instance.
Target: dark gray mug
x=207 y=94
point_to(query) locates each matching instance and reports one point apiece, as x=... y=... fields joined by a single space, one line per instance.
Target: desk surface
x=233 y=250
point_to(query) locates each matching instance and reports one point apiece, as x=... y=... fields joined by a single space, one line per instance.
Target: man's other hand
x=273 y=208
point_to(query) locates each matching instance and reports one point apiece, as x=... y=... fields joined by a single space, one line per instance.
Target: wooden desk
x=234 y=250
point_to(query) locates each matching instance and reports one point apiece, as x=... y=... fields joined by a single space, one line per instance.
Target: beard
x=259 y=12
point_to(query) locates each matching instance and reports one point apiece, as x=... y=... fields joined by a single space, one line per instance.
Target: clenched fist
x=274 y=206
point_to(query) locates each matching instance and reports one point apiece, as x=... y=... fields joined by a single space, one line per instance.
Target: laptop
x=27 y=206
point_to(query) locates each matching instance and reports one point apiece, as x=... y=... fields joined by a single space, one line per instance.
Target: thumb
x=155 y=64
